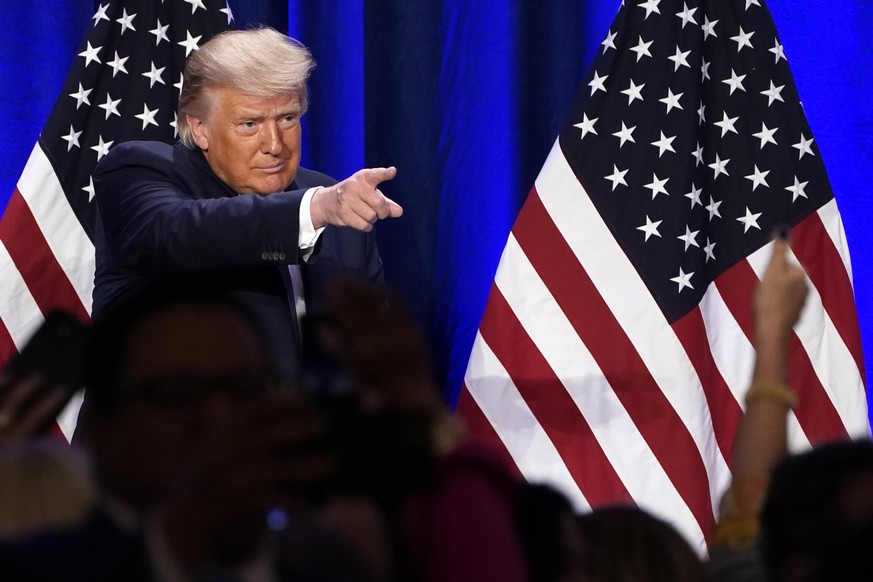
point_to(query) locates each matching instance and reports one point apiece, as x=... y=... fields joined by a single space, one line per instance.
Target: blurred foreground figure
x=43 y=483
x=627 y=544
x=817 y=518
x=191 y=448
x=185 y=429
x=210 y=468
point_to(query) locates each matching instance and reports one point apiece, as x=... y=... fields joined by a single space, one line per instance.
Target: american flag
x=124 y=84
x=616 y=345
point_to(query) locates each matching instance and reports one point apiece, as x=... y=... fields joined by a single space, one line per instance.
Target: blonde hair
x=260 y=62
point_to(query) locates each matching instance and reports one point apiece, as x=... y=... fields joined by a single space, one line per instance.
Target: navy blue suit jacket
x=162 y=211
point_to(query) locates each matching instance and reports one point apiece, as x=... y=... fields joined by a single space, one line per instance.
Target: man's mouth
x=274 y=168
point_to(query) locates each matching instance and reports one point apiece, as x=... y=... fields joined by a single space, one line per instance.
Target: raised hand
x=356 y=201
x=28 y=406
x=382 y=347
x=267 y=453
x=780 y=296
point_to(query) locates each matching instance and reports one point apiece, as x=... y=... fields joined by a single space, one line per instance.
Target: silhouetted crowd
x=194 y=458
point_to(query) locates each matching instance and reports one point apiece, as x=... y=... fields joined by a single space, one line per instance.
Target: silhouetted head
x=168 y=366
x=627 y=544
x=817 y=518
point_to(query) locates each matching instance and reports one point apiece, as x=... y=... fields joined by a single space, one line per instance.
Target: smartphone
x=57 y=351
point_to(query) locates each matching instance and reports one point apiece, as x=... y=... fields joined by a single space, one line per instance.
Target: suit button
x=282 y=256
x=265 y=256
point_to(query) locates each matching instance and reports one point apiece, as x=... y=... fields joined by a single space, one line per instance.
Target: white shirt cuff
x=307 y=233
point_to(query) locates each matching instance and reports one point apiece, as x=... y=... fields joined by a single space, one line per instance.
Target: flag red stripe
x=723 y=407
x=816 y=252
x=815 y=412
x=736 y=287
x=550 y=403
x=479 y=426
x=32 y=256
x=655 y=418
x=7 y=345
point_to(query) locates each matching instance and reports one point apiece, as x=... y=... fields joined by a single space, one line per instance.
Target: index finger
x=780 y=250
x=375 y=176
x=37 y=419
x=19 y=391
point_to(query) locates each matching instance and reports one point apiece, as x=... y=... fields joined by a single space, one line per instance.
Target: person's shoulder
x=137 y=149
x=307 y=178
x=143 y=153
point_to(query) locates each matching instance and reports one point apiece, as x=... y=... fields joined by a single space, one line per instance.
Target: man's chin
x=272 y=183
x=269 y=187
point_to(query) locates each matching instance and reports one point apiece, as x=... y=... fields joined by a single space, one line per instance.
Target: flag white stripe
x=618 y=436
x=18 y=309
x=69 y=416
x=63 y=233
x=731 y=350
x=833 y=224
x=796 y=439
x=498 y=398
x=632 y=306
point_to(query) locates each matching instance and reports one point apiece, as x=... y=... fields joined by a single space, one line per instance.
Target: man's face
x=183 y=373
x=251 y=143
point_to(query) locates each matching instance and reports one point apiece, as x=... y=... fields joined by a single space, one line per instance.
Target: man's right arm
x=160 y=216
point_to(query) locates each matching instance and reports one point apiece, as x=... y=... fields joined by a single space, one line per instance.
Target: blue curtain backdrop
x=465 y=98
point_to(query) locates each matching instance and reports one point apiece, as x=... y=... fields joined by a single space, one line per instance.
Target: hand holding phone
x=39 y=381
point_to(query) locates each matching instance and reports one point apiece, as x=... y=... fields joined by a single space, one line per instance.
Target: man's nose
x=271 y=141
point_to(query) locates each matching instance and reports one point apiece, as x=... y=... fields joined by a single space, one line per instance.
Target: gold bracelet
x=771 y=391
x=739 y=532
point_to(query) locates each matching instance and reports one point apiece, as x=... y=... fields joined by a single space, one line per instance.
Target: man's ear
x=199 y=131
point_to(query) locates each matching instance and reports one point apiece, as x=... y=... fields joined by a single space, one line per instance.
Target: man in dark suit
x=229 y=205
